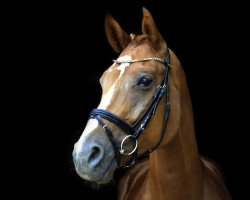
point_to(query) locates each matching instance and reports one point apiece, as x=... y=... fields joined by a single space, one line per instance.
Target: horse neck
x=173 y=171
x=175 y=168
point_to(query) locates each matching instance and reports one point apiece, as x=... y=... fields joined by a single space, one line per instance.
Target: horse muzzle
x=94 y=159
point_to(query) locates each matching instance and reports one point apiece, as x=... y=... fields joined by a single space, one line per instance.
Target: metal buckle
x=122 y=151
x=105 y=128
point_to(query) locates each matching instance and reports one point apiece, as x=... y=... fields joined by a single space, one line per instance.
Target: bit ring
x=124 y=139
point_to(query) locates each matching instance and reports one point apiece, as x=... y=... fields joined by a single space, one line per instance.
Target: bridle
x=137 y=128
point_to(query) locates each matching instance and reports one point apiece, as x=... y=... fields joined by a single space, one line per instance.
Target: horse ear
x=117 y=37
x=149 y=28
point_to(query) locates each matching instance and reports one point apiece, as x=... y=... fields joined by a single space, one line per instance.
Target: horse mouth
x=100 y=178
x=108 y=173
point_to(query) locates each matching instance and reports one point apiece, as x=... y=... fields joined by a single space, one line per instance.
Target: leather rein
x=137 y=128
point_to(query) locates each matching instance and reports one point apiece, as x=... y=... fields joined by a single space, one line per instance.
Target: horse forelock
x=137 y=39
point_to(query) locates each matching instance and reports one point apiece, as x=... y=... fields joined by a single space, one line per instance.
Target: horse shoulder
x=213 y=186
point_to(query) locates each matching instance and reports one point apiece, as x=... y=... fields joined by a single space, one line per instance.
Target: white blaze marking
x=91 y=125
x=110 y=69
x=106 y=98
x=123 y=66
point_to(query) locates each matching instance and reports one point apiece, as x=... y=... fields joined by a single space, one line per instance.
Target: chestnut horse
x=144 y=122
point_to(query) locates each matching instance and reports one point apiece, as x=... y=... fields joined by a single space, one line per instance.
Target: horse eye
x=144 y=82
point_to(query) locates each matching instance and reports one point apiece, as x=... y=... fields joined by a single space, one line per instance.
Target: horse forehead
x=116 y=71
x=123 y=66
x=109 y=91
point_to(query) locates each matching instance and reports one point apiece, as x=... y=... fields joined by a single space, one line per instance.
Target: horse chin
x=109 y=174
x=102 y=179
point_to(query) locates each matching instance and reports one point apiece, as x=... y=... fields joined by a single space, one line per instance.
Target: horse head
x=134 y=98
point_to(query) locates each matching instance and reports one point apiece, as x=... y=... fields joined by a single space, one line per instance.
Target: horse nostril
x=94 y=153
x=95 y=156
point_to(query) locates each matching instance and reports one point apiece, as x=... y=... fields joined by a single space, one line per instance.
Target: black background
x=66 y=52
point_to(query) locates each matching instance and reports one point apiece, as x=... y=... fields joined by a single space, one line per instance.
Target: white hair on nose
x=91 y=125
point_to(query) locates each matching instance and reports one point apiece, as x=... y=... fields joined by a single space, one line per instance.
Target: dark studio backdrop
x=70 y=51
